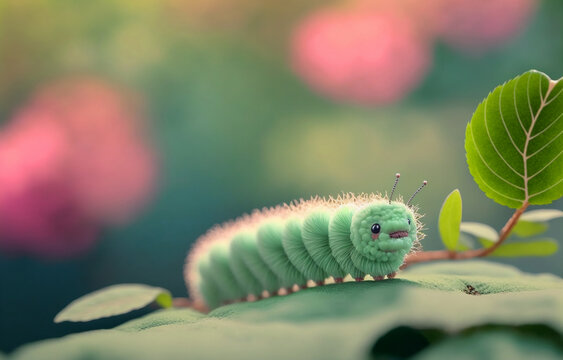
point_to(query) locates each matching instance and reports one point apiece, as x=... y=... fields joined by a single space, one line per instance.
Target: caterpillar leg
x=284 y=291
x=378 y=278
x=392 y=275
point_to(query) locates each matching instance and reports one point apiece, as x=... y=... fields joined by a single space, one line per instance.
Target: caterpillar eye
x=409 y=221
x=375 y=228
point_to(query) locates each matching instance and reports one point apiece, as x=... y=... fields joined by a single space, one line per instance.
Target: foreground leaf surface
x=343 y=321
x=514 y=143
x=113 y=300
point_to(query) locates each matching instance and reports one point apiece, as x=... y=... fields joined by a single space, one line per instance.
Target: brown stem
x=425 y=256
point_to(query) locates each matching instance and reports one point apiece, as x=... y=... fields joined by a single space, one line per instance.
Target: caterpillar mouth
x=398 y=234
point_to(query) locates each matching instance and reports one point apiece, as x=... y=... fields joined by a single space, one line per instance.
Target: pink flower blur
x=477 y=25
x=38 y=213
x=74 y=158
x=359 y=55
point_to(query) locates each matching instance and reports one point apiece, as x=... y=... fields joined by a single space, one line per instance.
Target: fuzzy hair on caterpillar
x=278 y=250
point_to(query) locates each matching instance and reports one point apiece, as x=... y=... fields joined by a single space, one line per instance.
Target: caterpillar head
x=385 y=232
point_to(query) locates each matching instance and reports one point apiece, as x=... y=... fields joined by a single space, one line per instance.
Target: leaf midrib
x=525 y=157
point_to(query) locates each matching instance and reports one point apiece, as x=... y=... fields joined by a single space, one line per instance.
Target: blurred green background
x=235 y=128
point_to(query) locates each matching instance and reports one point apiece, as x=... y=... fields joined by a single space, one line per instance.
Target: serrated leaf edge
x=526 y=178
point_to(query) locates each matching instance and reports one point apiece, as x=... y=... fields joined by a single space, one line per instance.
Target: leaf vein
x=529 y=102
x=489 y=167
x=505 y=127
x=516 y=107
x=498 y=193
x=539 y=88
x=547 y=127
x=549 y=163
x=543 y=147
x=547 y=189
x=553 y=98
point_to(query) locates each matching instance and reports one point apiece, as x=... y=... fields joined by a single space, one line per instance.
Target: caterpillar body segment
x=289 y=245
x=315 y=231
x=339 y=241
x=297 y=253
x=270 y=247
x=257 y=265
x=241 y=271
x=209 y=289
x=222 y=273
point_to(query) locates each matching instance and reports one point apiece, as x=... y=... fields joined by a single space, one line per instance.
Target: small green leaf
x=542 y=247
x=450 y=219
x=479 y=230
x=541 y=215
x=164 y=300
x=113 y=300
x=527 y=228
x=513 y=141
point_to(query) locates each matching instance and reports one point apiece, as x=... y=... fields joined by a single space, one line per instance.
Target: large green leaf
x=345 y=321
x=542 y=247
x=450 y=219
x=113 y=300
x=514 y=141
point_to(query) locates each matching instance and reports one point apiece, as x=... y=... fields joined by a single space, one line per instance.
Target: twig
x=425 y=256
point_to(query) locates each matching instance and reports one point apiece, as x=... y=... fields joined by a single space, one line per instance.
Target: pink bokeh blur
x=362 y=56
x=375 y=52
x=74 y=158
x=474 y=26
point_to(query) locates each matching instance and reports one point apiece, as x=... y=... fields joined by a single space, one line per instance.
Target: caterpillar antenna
x=397 y=176
x=417 y=191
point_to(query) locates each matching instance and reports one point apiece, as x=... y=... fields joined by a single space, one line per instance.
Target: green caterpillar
x=276 y=250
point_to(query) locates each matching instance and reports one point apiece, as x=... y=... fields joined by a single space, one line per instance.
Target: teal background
x=235 y=130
